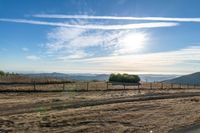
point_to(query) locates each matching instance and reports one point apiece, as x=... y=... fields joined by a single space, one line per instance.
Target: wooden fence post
x=124 y=85
x=87 y=86
x=34 y=85
x=151 y=85
x=63 y=86
x=172 y=86
x=139 y=88
x=107 y=85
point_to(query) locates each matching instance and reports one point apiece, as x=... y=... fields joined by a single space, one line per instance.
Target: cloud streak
x=72 y=43
x=117 y=18
x=25 y=49
x=177 y=61
x=161 y=58
x=171 y=61
x=94 y=26
x=33 y=57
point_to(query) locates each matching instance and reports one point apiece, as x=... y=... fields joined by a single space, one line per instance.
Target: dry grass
x=159 y=116
x=18 y=78
x=48 y=112
x=92 y=86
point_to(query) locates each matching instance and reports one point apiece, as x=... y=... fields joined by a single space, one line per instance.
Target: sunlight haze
x=83 y=37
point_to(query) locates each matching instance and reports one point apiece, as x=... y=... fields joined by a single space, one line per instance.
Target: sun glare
x=132 y=42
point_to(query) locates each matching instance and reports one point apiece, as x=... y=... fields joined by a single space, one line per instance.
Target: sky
x=100 y=36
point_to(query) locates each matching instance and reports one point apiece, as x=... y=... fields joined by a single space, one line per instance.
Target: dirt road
x=93 y=112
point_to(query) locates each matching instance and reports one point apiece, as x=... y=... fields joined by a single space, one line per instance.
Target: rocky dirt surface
x=97 y=112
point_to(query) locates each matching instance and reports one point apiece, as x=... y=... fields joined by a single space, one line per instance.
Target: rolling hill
x=63 y=76
x=99 y=77
x=191 y=79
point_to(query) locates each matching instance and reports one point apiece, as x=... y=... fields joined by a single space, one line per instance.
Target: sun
x=132 y=42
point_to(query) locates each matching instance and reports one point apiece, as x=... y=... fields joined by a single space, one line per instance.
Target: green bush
x=2 y=73
x=125 y=78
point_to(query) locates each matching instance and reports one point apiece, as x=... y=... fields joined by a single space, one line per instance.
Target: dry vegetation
x=121 y=111
x=62 y=112
x=20 y=78
x=91 y=86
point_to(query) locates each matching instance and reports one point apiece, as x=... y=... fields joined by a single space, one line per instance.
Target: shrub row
x=125 y=78
x=2 y=73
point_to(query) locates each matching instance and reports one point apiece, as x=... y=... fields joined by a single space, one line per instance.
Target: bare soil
x=99 y=112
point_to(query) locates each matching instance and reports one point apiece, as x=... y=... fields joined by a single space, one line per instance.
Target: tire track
x=66 y=105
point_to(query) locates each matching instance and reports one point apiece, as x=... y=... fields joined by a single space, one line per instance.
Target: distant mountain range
x=63 y=76
x=191 y=79
x=156 y=77
x=99 y=77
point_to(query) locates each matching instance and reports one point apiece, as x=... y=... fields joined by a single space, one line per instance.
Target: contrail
x=117 y=18
x=94 y=26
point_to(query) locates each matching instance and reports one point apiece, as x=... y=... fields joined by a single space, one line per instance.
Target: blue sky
x=100 y=36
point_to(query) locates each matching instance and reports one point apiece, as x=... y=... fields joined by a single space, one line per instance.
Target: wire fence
x=57 y=86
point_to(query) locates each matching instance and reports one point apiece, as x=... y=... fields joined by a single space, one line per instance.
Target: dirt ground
x=72 y=112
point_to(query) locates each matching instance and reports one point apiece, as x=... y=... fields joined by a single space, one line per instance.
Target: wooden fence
x=87 y=86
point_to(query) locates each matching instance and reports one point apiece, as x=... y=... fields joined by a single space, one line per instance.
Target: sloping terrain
x=63 y=76
x=191 y=79
x=99 y=77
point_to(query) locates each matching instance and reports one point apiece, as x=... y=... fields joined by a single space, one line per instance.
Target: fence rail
x=88 y=86
x=38 y=83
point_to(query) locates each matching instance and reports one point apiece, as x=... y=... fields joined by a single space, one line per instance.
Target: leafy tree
x=126 y=78
x=2 y=73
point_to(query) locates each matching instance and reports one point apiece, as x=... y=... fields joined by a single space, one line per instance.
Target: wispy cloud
x=73 y=43
x=171 y=61
x=3 y=49
x=177 y=61
x=25 y=49
x=117 y=18
x=111 y=47
x=94 y=26
x=161 y=58
x=33 y=57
